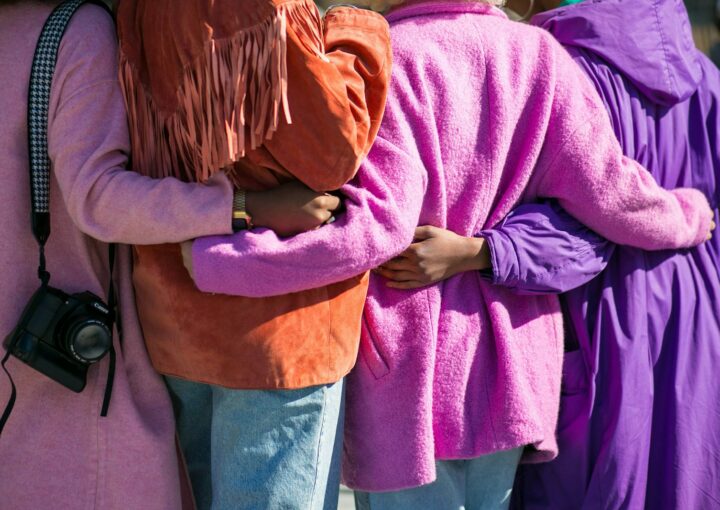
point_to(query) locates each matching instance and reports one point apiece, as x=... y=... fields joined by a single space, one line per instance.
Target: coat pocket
x=368 y=347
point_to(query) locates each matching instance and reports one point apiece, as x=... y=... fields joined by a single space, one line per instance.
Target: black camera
x=61 y=335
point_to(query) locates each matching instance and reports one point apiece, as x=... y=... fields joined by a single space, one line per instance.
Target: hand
x=712 y=227
x=436 y=255
x=186 y=249
x=290 y=209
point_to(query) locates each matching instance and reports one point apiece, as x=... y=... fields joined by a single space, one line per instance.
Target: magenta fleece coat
x=483 y=114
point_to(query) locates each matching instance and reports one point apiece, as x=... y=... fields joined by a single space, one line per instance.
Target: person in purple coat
x=640 y=410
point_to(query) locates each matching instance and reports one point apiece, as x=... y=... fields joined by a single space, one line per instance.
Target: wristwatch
x=241 y=220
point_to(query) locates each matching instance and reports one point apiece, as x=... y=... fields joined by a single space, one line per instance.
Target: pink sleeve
x=382 y=203
x=382 y=209
x=88 y=145
x=582 y=165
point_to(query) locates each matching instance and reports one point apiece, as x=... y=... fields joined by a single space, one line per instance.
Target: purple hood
x=648 y=41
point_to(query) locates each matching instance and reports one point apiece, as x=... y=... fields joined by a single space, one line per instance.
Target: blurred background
x=705 y=18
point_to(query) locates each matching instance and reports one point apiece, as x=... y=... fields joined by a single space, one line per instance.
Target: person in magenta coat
x=483 y=114
x=638 y=415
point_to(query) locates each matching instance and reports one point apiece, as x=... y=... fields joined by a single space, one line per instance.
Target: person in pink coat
x=455 y=381
x=56 y=451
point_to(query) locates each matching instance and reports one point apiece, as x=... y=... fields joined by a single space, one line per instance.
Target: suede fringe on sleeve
x=232 y=96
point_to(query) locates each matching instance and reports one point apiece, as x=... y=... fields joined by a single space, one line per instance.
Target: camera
x=61 y=335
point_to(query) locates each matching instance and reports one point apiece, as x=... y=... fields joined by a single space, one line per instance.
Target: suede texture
x=337 y=71
x=290 y=341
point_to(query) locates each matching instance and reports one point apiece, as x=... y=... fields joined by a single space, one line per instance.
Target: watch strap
x=241 y=220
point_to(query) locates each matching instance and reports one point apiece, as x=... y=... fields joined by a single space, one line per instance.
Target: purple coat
x=638 y=424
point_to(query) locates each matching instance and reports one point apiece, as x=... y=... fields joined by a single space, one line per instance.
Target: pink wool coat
x=56 y=451
x=483 y=114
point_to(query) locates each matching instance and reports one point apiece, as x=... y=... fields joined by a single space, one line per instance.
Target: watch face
x=239 y=224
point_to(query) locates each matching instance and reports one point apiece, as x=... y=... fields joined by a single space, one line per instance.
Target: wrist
x=256 y=205
x=476 y=254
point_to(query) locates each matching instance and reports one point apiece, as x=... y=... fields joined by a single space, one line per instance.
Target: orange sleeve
x=338 y=77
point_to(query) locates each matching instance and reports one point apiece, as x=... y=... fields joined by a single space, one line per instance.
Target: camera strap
x=41 y=77
x=13 y=394
x=112 y=305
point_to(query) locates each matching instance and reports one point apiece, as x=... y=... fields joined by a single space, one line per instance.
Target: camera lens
x=88 y=341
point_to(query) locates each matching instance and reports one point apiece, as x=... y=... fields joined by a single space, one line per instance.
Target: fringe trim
x=233 y=95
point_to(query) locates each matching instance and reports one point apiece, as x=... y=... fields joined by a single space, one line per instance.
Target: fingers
x=399 y=264
x=323 y=208
x=414 y=253
x=409 y=253
x=398 y=276
x=710 y=234
x=412 y=284
x=186 y=249
x=323 y=216
x=425 y=232
x=329 y=202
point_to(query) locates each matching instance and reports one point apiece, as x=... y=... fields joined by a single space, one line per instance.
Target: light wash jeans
x=483 y=483
x=260 y=450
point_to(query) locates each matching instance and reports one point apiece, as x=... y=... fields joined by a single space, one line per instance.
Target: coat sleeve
x=583 y=167
x=382 y=203
x=541 y=249
x=88 y=144
x=712 y=91
x=338 y=75
x=382 y=206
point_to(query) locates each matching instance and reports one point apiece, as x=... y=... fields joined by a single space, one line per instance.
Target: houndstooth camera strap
x=41 y=77
x=43 y=69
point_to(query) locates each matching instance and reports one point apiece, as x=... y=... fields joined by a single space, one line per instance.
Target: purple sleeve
x=541 y=249
x=581 y=165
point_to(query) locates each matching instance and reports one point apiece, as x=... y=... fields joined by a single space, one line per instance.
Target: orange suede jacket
x=269 y=92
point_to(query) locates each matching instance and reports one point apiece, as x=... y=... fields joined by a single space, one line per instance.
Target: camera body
x=61 y=335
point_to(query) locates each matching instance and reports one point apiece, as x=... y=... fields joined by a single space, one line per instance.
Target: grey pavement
x=346 y=499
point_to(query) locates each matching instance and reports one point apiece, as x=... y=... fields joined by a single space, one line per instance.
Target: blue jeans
x=482 y=483
x=253 y=449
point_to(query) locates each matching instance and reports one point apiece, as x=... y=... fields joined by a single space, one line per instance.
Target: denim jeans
x=256 y=449
x=482 y=483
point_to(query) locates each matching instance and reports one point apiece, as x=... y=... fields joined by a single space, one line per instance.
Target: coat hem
x=268 y=384
x=532 y=454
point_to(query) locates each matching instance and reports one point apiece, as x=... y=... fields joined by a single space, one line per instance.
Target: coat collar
x=418 y=8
